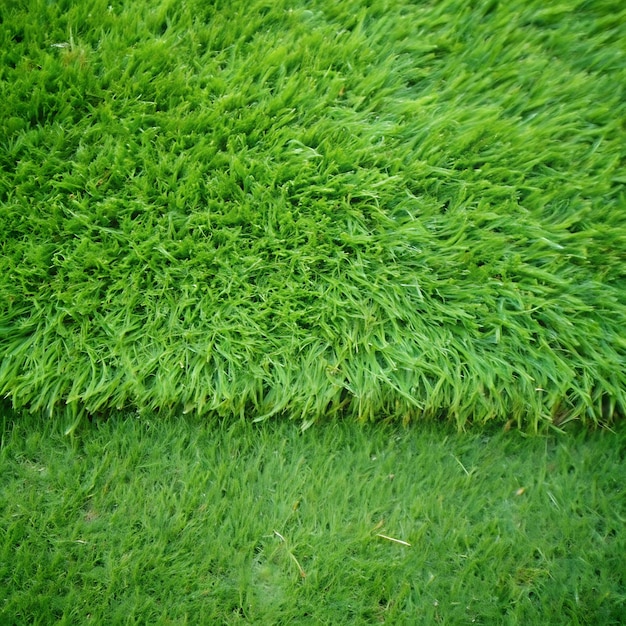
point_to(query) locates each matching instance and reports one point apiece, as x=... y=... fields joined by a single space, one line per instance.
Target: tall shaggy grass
x=370 y=210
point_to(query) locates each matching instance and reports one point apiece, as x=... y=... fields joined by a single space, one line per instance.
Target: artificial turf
x=362 y=209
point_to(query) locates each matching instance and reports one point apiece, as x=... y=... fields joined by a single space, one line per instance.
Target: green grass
x=347 y=209
x=328 y=211
x=184 y=521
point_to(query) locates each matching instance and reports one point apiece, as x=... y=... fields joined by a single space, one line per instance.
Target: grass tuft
x=314 y=209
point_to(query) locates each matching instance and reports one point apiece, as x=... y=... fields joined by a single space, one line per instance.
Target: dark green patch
x=174 y=521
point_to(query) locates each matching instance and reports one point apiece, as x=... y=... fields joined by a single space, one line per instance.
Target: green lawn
x=180 y=521
x=287 y=290
x=362 y=209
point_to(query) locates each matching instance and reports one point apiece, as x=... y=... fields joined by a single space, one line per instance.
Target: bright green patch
x=171 y=522
x=364 y=209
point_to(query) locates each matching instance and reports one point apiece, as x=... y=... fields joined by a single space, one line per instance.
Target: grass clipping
x=315 y=209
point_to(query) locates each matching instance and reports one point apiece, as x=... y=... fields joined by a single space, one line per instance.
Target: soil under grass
x=351 y=209
x=179 y=521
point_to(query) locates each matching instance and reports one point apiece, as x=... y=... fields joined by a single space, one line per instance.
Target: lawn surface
x=361 y=209
x=179 y=521
x=412 y=213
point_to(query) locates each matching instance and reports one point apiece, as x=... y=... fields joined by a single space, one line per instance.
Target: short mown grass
x=180 y=521
x=361 y=209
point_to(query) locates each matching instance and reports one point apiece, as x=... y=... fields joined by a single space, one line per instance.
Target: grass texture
x=167 y=521
x=366 y=209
